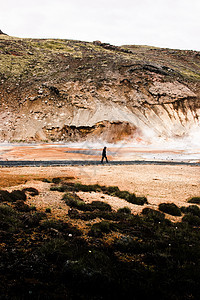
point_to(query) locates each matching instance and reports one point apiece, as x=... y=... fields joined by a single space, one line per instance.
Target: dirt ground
x=158 y=183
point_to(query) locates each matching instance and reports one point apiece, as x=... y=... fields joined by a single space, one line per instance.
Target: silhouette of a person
x=104 y=155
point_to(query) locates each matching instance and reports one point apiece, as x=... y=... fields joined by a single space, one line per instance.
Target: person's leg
x=106 y=159
x=102 y=159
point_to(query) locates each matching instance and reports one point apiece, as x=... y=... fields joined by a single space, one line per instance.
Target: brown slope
x=62 y=89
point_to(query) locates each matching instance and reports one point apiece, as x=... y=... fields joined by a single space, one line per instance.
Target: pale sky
x=162 y=23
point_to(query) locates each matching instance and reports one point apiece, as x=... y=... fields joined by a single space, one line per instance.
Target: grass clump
x=195 y=200
x=170 y=208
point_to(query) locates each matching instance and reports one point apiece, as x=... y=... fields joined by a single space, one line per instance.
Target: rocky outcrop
x=58 y=90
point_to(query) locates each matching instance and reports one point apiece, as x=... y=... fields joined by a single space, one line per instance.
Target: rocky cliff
x=66 y=90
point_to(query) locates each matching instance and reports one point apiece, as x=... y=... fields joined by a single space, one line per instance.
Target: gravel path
x=45 y=163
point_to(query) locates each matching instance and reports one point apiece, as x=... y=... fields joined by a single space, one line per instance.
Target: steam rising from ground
x=150 y=146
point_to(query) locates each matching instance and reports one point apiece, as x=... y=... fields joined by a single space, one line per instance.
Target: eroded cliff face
x=60 y=90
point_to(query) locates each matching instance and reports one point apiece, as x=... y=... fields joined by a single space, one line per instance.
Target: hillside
x=67 y=90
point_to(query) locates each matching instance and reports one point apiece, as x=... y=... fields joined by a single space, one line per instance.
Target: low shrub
x=170 y=208
x=93 y=271
x=112 y=189
x=56 y=248
x=123 y=195
x=124 y=210
x=31 y=191
x=75 y=214
x=21 y=206
x=56 y=180
x=46 y=180
x=98 y=229
x=195 y=200
x=91 y=215
x=18 y=195
x=58 y=188
x=140 y=200
x=191 y=219
x=100 y=205
x=48 y=210
x=5 y=196
x=127 y=244
x=6 y=210
x=64 y=187
x=9 y=219
x=32 y=208
x=46 y=224
x=130 y=197
x=155 y=215
x=33 y=220
x=193 y=209
x=86 y=188
x=13 y=196
x=73 y=200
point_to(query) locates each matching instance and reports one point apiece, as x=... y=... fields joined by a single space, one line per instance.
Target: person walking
x=104 y=155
